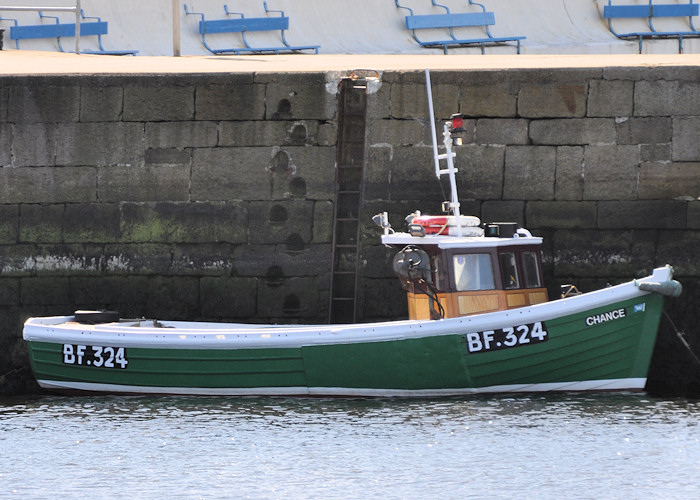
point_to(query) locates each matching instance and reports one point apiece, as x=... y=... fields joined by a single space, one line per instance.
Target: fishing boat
x=479 y=321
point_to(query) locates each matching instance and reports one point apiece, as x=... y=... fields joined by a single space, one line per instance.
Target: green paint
x=574 y=351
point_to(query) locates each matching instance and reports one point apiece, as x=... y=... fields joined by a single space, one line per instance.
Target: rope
x=681 y=336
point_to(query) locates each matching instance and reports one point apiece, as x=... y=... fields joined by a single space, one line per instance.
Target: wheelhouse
x=449 y=276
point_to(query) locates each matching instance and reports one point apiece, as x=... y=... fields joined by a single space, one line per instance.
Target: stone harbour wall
x=211 y=197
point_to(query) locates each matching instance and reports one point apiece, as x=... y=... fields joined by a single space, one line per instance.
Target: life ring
x=96 y=317
x=444 y=224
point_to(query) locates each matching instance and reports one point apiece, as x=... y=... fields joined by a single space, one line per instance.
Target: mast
x=454 y=125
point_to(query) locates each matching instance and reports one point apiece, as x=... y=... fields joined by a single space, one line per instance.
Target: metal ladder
x=349 y=196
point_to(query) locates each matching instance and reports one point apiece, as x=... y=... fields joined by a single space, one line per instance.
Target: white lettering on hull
x=605 y=317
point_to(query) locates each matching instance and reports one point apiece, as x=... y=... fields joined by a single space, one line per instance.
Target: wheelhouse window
x=531 y=270
x=473 y=272
x=439 y=278
x=509 y=268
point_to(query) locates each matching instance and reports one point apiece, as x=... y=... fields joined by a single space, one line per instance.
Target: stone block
x=43 y=104
x=327 y=134
x=650 y=214
x=224 y=297
x=4 y=102
x=377 y=172
x=9 y=224
x=297 y=101
x=17 y=260
x=313 y=175
x=644 y=130
x=48 y=290
x=236 y=101
x=100 y=144
x=383 y=300
x=203 y=259
x=568 y=184
x=101 y=104
x=481 y=172
x=396 y=132
x=377 y=262
x=653 y=73
x=493 y=101
x=655 y=153
x=5 y=145
x=679 y=249
x=158 y=103
x=34 y=145
x=561 y=214
x=256 y=260
x=91 y=223
x=666 y=98
x=378 y=100
x=144 y=183
x=206 y=222
x=611 y=172
x=167 y=156
x=693 y=214
x=269 y=133
x=68 y=260
x=666 y=181
x=502 y=131
x=686 y=146
x=409 y=175
x=180 y=135
x=294 y=298
x=120 y=293
x=323 y=222
x=139 y=258
x=605 y=254
x=529 y=173
x=231 y=174
x=281 y=222
x=610 y=98
x=573 y=131
x=41 y=223
x=314 y=260
x=503 y=211
x=410 y=100
x=562 y=100
x=9 y=291
x=176 y=298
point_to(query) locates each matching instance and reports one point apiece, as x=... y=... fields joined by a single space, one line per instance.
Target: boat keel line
x=630 y=384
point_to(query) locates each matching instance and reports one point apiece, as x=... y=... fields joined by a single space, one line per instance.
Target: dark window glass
x=531 y=269
x=510 y=271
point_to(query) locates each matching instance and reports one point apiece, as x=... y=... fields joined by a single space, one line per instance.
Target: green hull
x=591 y=350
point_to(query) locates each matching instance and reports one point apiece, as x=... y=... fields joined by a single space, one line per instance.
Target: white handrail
x=75 y=9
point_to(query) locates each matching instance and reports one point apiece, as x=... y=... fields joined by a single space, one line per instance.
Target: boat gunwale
x=176 y=335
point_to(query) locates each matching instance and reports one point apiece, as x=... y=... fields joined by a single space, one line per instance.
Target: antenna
x=432 y=122
x=449 y=154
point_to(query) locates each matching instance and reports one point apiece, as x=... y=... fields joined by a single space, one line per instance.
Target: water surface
x=531 y=446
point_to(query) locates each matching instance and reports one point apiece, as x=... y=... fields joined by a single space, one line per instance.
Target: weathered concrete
x=209 y=195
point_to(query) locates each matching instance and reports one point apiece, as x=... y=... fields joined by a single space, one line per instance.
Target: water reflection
x=596 y=446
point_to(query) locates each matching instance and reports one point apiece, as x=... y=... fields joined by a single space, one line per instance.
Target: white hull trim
x=630 y=384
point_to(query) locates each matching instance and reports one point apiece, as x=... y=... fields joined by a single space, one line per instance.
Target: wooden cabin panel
x=517 y=299
x=538 y=296
x=464 y=304
x=478 y=302
x=419 y=306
